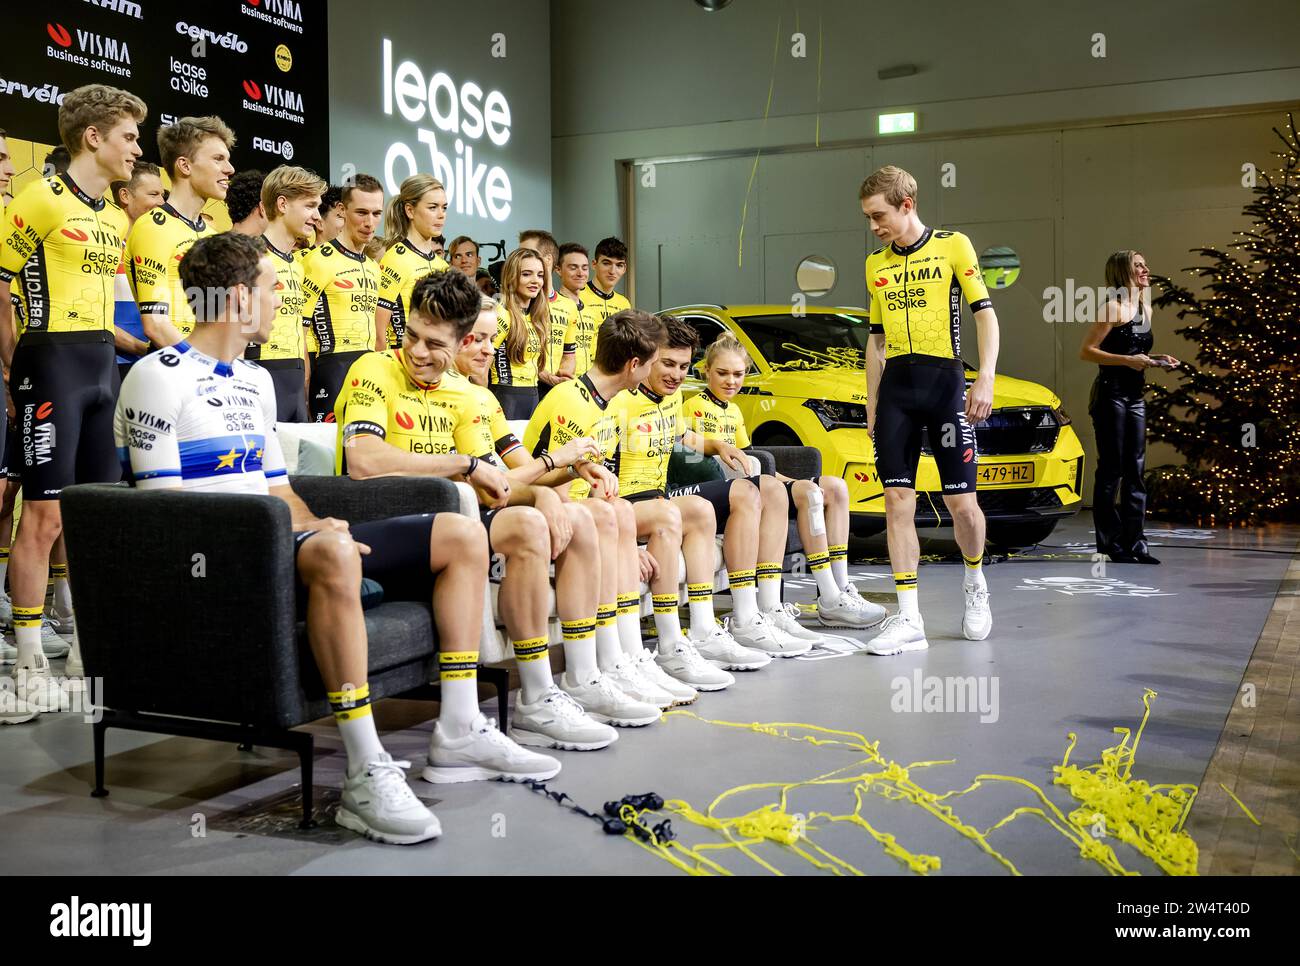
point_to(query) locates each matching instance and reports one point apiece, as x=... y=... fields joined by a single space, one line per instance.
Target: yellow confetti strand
x=1240 y=804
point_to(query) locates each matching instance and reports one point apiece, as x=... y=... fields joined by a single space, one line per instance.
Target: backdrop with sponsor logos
x=460 y=92
x=258 y=64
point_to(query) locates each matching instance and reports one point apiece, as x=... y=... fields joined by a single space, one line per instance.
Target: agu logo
x=283 y=58
x=404 y=420
x=59 y=34
x=282 y=148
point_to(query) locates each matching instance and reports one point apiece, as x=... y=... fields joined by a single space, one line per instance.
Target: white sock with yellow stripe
x=458 y=674
x=356 y=724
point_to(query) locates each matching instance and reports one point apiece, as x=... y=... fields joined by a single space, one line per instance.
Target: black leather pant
x=1119 y=419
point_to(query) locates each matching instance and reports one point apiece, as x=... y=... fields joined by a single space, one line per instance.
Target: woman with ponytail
x=523 y=324
x=413 y=218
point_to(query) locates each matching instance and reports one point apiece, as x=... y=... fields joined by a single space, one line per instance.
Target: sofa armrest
x=796 y=462
x=766 y=464
x=185 y=601
x=361 y=501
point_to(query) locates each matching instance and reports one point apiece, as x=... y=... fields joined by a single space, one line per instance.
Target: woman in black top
x=1120 y=342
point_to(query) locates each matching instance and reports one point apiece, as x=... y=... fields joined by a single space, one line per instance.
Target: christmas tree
x=1235 y=415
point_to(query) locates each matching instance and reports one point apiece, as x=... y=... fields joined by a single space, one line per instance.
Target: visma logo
x=91 y=43
x=282 y=149
x=59 y=34
x=252 y=89
x=275 y=96
x=404 y=420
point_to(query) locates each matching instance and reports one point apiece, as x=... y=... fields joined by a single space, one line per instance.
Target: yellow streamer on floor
x=1240 y=804
x=1149 y=818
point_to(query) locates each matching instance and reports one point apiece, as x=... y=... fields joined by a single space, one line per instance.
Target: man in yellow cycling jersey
x=580 y=340
x=592 y=586
x=402 y=413
x=607 y=271
x=341 y=293
x=652 y=426
x=195 y=153
x=915 y=284
x=64 y=243
x=290 y=197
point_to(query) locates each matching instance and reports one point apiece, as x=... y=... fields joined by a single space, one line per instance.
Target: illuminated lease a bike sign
x=465 y=115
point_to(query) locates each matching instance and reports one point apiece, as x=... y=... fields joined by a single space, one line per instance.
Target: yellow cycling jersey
x=714 y=418
x=507 y=373
x=586 y=327
x=564 y=318
x=340 y=295
x=401 y=267
x=916 y=293
x=158 y=242
x=604 y=303
x=650 y=425
x=573 y=409
x=380 y=398
x=501 y=439
x=287 y=336
x=61 y=249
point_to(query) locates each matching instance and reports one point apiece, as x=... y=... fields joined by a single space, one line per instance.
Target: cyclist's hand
x=979 y=400
x=492 y=483
x=584 y=447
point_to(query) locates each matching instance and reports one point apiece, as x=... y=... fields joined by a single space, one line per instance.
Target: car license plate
x=999 y=474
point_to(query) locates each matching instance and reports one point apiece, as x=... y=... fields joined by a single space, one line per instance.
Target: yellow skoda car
x=807 y=386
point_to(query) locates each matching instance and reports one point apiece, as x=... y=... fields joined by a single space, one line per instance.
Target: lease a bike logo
x=1092 y=587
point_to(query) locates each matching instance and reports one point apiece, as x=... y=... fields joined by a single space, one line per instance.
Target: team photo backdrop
x=258 y=64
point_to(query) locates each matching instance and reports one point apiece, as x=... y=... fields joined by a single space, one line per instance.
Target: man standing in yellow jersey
x=580 y=340
x=290 y=198
x=341 y=295
x=609 y=268
x=414 y=217
x=195 y=153
x=65 y=243
x=915 y=285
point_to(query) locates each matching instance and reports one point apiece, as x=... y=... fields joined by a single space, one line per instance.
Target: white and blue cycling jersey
x=187 y=419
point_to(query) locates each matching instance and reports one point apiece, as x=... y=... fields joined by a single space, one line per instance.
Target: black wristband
x=473 y=465
x=548 y=462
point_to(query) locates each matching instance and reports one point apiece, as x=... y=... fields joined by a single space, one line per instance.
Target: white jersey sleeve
x=273 y=464
x=145 y=426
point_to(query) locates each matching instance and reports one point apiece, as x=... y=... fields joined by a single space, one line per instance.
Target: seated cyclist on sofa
x=823 y=523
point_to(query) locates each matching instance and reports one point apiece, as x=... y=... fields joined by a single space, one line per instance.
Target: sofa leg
x=305 y=747
x=99 y=791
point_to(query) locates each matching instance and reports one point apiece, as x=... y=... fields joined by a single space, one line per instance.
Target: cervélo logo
x=229 y=40
x=44 y=93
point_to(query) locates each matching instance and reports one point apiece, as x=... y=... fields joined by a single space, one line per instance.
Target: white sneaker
x=36 y=689
x=650 y=669
x=379 y=804
x=63 y=624
x=605 y=702
x=785 y=618
x=849 y=610
x=977 y=620
x=899 y=633
x=627 y=677
x=687 y=666
x=762 y=635
x=728 y=653
x=555 y=720
x=6 y=612
x=484 y=754
x=13 y=709
x=52 y=645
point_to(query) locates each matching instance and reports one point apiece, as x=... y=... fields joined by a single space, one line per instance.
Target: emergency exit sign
x=897 y=123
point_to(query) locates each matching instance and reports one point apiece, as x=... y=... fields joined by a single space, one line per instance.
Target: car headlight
x=1062 y=417
x=838 y=415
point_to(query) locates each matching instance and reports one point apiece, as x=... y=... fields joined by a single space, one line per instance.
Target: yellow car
x=807 y=386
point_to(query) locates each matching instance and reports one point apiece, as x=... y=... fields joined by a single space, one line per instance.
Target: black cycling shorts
x=517 y=402
x=64 y=393
x=789 y=492
x=924 y=393
x=290 y=393
x=327 y=377
x=398 y=558
x=717 y=492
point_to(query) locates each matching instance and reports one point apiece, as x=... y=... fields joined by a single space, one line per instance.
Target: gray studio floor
x=1070 y=651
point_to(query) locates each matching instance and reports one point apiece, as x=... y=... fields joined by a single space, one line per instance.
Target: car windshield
x=813 y=341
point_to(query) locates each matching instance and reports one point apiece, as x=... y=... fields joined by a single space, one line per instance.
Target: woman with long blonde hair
x=523 y=324
x=413 y=218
